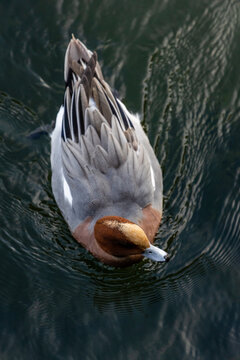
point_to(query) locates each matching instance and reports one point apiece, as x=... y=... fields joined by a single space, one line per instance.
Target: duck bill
x=156 y=254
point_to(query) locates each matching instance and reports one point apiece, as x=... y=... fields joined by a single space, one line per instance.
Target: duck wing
x=85 y=88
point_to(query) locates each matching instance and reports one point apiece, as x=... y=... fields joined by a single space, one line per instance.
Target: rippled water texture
x=176 y=63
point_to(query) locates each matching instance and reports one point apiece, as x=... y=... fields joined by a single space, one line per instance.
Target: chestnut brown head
x=121 y=237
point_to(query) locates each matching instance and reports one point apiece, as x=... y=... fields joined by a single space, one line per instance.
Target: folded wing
x=104 y=162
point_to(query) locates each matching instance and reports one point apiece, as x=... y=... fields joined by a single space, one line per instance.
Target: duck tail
x=78 y=59
x=86 y=88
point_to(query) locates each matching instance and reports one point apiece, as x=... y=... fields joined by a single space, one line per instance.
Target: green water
x=177 y=64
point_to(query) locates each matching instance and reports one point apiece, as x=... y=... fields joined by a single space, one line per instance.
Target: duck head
x=121 y=237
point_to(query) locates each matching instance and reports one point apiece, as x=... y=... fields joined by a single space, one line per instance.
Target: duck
x=106 y=179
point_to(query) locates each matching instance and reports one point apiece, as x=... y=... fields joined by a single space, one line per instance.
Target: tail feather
x=86 y=88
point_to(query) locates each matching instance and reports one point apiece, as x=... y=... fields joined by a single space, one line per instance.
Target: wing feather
x=100 y=148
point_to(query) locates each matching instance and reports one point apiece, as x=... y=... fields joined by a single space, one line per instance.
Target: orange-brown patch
x=86 y=238
x=150 y=222
x=120 y=237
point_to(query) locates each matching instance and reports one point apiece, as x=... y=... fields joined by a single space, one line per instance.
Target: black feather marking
x=81 y=116
x=86 y=85
x=66 y=121
x=124 y=116
x=68 y=83
x=127 y=122
x=111 y=106
x=74 y=118
x=131 y=124
x=62 y=133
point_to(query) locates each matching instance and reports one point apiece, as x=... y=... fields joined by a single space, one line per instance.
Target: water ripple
x=187 y=126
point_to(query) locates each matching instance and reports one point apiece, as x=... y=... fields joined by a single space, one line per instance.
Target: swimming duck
x=106 y=179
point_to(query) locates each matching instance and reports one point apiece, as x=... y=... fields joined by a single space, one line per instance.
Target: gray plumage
x=102 y=162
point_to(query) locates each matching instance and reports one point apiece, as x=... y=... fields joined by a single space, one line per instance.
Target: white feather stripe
x=152 y=178
x=71 y=118
x=68 y=106
x=66 y=65
x=66 y=190
x=77 y=90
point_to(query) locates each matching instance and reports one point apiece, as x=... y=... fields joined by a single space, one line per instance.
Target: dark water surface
x=178 y=64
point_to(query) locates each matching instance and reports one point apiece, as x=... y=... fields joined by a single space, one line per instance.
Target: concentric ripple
x=186 y=127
